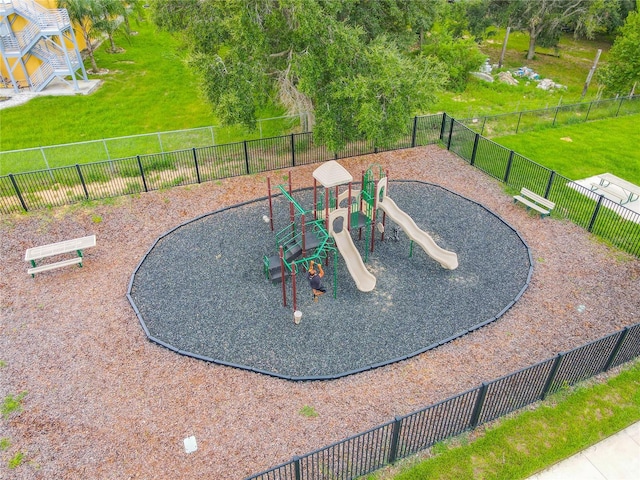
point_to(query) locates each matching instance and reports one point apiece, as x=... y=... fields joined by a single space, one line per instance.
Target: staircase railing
x=55 y=57
x=6 y=6
x=42 y=76
x=27 y=36
x=10 y=44
x=45 y=18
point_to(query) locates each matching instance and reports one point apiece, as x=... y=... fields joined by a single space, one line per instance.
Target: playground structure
x=334 y=215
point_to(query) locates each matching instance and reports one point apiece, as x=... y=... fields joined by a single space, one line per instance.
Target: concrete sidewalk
x=57 y=87
x=615 y=458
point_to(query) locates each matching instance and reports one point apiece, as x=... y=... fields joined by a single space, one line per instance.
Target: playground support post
x=326 y=208
x=373 y=214
x=270 y=203
x=361 y=192
x=293 y=286
x=384 y=214
x=315 y=199
x=349 y=210
x=282 y=277
x=304 y=242
x=292 y=216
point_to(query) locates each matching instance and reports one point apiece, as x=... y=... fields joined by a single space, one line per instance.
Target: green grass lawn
x=583 y=150
x=148 y=89
x=525 y=443
x=570 y=67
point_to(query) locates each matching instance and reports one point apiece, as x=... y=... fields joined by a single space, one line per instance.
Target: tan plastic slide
x=444 y=257
x=365 y=281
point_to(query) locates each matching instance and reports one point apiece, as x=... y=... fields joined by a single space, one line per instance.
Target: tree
x=545 y=20
x=622 y=71
x=82 y=13
x=132 y=8
x=451 y=41
x=355 y=78
x=107 y=18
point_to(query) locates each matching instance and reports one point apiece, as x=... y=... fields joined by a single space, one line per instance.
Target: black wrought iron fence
x=65 y=185
x=599 y=215
x=143 y=173
x=528 y=120
x=406 y=435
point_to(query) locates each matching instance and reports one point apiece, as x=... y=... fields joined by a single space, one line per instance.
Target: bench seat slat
x=531 y=205
x=51 y=266
x=538 y=198
x=66 y=246
x=534 y=201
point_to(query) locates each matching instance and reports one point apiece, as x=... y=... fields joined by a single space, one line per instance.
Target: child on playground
x=315 y=280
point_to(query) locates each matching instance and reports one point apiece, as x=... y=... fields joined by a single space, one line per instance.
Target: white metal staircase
x=45 y=36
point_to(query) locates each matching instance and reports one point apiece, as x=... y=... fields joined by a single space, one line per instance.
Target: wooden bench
x=45 y=251
x=534 y=201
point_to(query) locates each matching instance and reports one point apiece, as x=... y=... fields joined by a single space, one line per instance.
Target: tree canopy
x=545 y=20
x=346 y=62
x=621 y=74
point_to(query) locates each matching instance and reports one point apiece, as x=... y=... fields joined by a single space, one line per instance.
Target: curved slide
x=365 y=281
x=444 y=257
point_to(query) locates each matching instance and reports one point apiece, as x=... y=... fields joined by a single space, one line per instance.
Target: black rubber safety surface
x=200 y=289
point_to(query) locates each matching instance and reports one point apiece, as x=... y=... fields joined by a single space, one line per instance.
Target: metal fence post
x=415 y=131
x=554 y=117
x=15 y=186
x=619 y=105
x=475 y=148
x=144 y=180
x=588 y=110
x=296 y=462
x=518 y=124
x=450 y=135
x=195 y=162
x=508 y=170
x=246 y=156
x=477 y=409
x=293 y=150
x=616 y=349
x=106 y=149
x=484 y=120
x=595 y=214
x=84 y=186
x=395 y=434
x=549 y=184
x=442 y=125
x=552 y=375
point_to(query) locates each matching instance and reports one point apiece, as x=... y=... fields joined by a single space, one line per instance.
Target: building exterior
x=37 y=45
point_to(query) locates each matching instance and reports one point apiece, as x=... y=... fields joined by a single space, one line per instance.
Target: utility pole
x=593 y=69
x=504 y=47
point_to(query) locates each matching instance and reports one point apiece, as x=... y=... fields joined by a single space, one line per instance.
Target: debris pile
x=548 y=84
x=507 y=77
x=527 y=73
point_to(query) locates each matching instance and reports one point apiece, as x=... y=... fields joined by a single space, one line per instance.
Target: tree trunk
x=87 y=41
x=532 y=44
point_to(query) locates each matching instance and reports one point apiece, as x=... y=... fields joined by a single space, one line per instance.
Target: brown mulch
x=104 y=402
